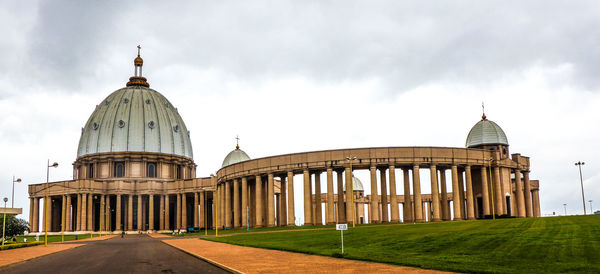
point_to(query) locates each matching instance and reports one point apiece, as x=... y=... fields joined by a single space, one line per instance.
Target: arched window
x=179 y=172
x=119 y=169
x=91 y=171
x=151 y=170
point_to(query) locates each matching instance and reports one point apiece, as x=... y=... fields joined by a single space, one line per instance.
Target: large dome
x=356 y=185
x=138 y=119
x=235 y=156
x=486 y=132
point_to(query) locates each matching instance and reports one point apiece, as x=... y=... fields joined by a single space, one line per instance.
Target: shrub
x=19 y=245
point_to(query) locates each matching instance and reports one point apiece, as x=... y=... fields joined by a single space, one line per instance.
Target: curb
x=219 y=265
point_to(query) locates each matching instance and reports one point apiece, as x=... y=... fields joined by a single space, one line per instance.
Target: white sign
x=341 y=227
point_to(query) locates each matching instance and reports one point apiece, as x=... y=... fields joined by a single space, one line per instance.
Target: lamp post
x=55 y=164
x=13 y=191
x=579 y=164
x=351 y=186
x=492 y=189
x=4 y=222
x=565 y=205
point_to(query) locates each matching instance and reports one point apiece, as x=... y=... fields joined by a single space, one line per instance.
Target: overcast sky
x=301 y=76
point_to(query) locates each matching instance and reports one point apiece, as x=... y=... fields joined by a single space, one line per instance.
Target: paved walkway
x=258 y=260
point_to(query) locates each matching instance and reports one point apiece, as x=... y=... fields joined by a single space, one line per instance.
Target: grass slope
x=556 y=244
x=54 y=238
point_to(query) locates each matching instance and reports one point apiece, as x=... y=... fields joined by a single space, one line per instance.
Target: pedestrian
x=122 y=234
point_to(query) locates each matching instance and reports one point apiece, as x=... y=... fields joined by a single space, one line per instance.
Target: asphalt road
x=132 y=254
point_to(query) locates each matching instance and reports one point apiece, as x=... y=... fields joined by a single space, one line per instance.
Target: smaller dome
x=486 y=132
x=356 y=185
x=235 y=156
x=138 y=61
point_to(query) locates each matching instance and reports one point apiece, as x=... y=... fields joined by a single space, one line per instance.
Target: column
x=307 y=198
x=244 y=207
x=47 y=214
x=384 y=197
x=470 y=202
x=31 y=214
x=270 y=200
x=341 y=207
x=456 y=194
x=444 y=199
x=417 y=194
x=498 y=191
x=107 y=213
x=69 y=218
x=178 y=212
x=228 y=210
x=139 y=213
x=129 y=212
x=485 y=196
x=102 y=217
x=36 y=214
x=527 y=194
x=259 y=202
x=408 y=212
x=161 y=213
x=203 y=214
x=520 y=203
x=290 y=188
x=184 y=218
x=63 y=215
x=435 y=196
x=151 y=212
x=84 y=212
x=90 y=219
x=195 y=211
x=536 y=203
x=330 y=219
x=393 y=196
x=118 y=214
x=374 y=202
x=350 y=212
x=318 y=206
x=167 y=213
x=278 y=207
x=283 y=202
x=236 y=203
x=461 y=187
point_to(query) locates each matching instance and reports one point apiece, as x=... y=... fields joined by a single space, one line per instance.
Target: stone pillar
x=139 y=213
x=282 y=202
x=36 y=214
x=461 y=187
x=236 y=203
x=520 y=196
x=244 y=206
x=407 y=209
x=151 y=212
x=374 y=202
x=47 y=214
x=90 y=217
x=444 y=199
x=69 y=218
x=307 y=198
x=84 y=212
x=63 y=215
x=178 y=212
x=270 y=200
x=393 y=196
x=184 y=218
x=278 y=209
x=78 y=213
x=536 y=203
x=102 y=217
x=118 y=214
x=203 y=213
x=456 y=194
x=499 y=195
x=31 y=214
x=330 y=219
x=161 y=212
x=195 y=211
x=107 y=226
x=167 y=213
x=469 y=194
x=435 y=196
x=384 y=196
x=290 y=188
x=417 y=194
x=485 y=194
x=129 y=212
x=341 y=207
x=259 y=202
x=318 y=206
x=527 y=194
x=228 y=211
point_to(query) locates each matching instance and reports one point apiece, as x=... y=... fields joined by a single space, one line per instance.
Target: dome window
x=151 y=170
x=148 y=101
x=121 y=123
x=151 y=124
x=167 y=105
x=95 y=126
x=119 y=169
x=126 y=100
x=107 y=102
x=176 y=128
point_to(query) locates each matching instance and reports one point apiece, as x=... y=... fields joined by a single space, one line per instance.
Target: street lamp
x=13 y=191
x=4 y=222
x=350 y=185
x=55 y=164
x=565 y=205
x=579 y=164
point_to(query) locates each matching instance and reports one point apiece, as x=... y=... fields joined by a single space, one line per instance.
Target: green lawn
x=251 y=230
x=553 y=244
x=55 y=238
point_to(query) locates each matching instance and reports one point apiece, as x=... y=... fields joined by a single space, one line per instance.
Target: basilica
x=135 y=172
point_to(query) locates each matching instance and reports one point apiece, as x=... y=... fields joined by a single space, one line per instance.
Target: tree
x=14 y=226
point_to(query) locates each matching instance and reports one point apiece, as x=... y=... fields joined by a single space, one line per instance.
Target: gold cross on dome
x=237 y=142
